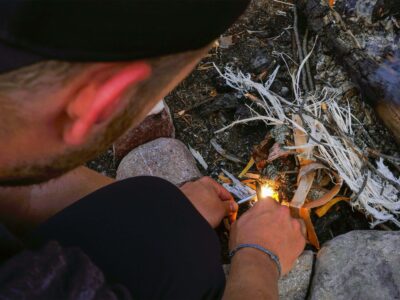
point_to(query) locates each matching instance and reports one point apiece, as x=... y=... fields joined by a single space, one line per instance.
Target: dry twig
x=299 y=48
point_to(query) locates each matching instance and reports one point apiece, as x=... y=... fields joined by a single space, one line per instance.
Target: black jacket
x=51 y=272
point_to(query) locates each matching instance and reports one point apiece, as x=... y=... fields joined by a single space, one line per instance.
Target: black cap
x=108 y=30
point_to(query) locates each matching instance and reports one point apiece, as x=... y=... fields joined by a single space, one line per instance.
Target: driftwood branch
x=384 y=8
x=379 y=83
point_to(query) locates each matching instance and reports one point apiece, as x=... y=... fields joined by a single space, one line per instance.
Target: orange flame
x=268 y=191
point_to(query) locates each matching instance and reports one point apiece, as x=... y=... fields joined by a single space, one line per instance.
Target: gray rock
x=164 y=157
x=293 y=286
x=358 y=265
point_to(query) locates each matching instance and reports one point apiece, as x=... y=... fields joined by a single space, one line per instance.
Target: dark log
x=384 y=8
x=379 y=83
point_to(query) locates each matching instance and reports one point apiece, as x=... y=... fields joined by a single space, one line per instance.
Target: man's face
x=33 y=151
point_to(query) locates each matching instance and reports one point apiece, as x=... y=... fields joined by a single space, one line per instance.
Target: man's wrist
x=254 y=257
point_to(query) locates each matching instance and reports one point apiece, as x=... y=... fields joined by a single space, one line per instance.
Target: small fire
x=267 y=191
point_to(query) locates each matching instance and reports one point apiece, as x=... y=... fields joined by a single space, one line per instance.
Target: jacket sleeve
x=54 y=272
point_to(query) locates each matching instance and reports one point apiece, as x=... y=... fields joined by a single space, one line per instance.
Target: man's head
x=74 y=75
x=54 y=116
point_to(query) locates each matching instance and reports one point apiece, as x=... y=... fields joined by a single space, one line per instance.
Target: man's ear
x=99 y=97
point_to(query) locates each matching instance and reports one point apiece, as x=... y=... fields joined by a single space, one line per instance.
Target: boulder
x=164 y=157
x=358 y=265
x=294 y=286
x=157 y=124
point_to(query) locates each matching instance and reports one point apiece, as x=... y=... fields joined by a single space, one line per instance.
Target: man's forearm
x=50 y=198
x=253 y=275
x=23 y=207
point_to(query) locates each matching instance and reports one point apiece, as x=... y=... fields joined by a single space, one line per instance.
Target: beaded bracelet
x=273 y=256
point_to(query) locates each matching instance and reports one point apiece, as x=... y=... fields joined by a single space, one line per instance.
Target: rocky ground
x=203 y=103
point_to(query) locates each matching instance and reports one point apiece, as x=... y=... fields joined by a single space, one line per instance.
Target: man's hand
x=211 y=199
x=271 y=226
x=253 y=274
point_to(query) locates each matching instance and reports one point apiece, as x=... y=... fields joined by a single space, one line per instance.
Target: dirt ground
x=264 y=31
x=203 y=103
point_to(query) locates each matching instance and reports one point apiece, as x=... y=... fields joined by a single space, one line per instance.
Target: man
x=73 y=76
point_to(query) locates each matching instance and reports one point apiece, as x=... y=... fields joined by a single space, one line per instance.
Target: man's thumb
x=231 y=209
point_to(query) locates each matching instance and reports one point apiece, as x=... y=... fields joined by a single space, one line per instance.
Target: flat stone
x=164 y=157
x=157 y=124
x=358 y=265
x=293 y=286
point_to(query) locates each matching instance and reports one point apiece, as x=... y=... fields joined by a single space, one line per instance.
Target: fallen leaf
x=196 y=154
x=247 y=168
x=324 y=209
x=300 y=139
x=251 y=183
x=311 y=234
x=204 y=67
x=213 y=93
x=304 y=186
x=310 y=168
x=251 y=97
x=252 y=175
x=248 y=181
x=305 y=180
x=328 y=196
x=217 y=147
x=261 y=152
x=224 y=179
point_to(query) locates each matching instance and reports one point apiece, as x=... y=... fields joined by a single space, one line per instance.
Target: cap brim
x=12 y=58
x=33 y=30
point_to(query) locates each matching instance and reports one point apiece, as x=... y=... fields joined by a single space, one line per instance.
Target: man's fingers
x=232 y=218
x=231 y=208
x=222 y=193
x=266 y=204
